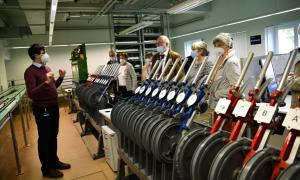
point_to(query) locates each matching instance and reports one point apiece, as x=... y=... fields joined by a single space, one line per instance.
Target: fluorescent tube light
x=52 y=19
x=186 y=6
x=237 y=22
x=136 y=27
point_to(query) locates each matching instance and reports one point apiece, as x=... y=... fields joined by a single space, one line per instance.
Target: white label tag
x=155 y=92
x=148 y=91
x=242 y=108
x=142 y=89
x=137 y=90
x=180 y=97
x=162 y=94
x=292 y=119
x=192 y=99
x=171 y=95
x=265 y=114
x=222 y=106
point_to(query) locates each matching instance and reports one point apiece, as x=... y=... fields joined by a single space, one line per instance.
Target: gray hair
x=224 y=38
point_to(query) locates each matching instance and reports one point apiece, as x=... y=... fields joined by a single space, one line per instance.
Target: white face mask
x=122 y=61
x=160 y=49
x=45 y=58
x=112 y=58
x=147 y=61
x=219 y=51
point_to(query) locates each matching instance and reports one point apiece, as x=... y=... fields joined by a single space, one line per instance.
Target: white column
x=3 y=76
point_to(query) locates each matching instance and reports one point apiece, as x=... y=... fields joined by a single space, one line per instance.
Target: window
x=282 y=38
x=188 y=47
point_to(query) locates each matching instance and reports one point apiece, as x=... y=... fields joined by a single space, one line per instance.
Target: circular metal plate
x=192 y=99
x=162 y=94
x=206 y=152
x=166 y=144
x=229 y=161
x=142 y=89
x=137 y=90
x=185 y=150
x=291 y=172
x=148 y=91
x=171 y=95
x=155 y=92
x=180 y=97
x=260 y=165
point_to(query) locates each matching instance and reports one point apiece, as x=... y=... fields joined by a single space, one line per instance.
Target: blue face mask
x=160 y=49
x=194 y=54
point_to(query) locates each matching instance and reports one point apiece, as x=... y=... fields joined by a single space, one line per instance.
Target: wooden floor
x=71 y=149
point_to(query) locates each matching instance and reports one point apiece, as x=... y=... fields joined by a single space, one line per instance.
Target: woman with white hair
x=228 y=69
x=199 y=52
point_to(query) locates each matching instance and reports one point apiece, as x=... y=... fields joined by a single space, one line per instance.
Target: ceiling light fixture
x=136 y=27
x=186 y=6
x=52 y=19
x=237 y=22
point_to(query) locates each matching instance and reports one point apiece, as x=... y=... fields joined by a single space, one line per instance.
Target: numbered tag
x=180 y=97
x=137 y=90
x=242 y=108
x=292 y=119
x=155 y=92
x=265 y=114
x=142 y=89
x=192 y=99
x=171 y=95
x=222 y=106
x=148 y=91
x=162 y=94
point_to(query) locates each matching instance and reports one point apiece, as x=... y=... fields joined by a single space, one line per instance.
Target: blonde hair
x=200 y=45
x=224 y=38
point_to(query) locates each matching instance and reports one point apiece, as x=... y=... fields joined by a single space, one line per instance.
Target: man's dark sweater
x=41 y=93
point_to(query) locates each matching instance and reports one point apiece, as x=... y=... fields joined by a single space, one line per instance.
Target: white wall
x=96 y=55
x=3 y=78
x=227 y=11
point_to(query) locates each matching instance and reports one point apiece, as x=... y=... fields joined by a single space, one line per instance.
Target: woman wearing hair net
x=228 y=69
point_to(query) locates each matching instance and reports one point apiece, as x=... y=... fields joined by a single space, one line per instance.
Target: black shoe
x=53 y=173
x=62 y=166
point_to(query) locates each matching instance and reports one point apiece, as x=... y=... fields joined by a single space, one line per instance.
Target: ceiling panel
x=35 y=17
x=38 y=29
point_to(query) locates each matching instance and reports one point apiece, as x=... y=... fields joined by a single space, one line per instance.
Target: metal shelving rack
x=136 y=44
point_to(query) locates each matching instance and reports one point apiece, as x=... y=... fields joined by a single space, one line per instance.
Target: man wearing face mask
x=112 y=57
x=41 y=88
x=127 y=80
x=164 y=53
x=147 y=67
x=228 y=69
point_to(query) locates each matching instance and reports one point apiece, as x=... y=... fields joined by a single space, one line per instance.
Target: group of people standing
x=228 y=66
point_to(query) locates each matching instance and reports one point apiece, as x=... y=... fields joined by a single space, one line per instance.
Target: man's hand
x=62 y=73
x=50 y=77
